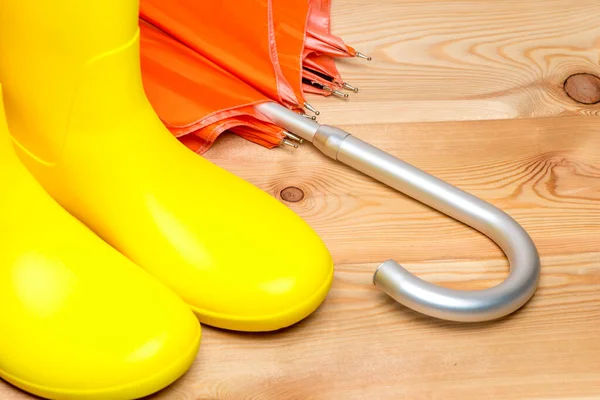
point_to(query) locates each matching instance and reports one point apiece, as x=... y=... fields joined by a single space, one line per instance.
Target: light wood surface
x=449 y=60
x=472 y=92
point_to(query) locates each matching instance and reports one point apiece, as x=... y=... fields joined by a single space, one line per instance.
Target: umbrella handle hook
x=391 y=277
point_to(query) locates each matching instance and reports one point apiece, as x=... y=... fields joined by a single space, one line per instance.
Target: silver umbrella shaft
x=393 y=279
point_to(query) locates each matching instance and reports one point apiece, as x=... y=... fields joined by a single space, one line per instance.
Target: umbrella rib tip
x=294 y=138
x=350 y=87
x=312 y=109
x=363 y=56
x=340 y=94
x=289 y=143
x=309 y=116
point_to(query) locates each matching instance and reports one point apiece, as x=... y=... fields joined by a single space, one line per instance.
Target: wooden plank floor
x=471 y=91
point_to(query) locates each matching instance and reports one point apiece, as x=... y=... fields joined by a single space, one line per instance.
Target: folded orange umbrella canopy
x=196 y=98
x=188 y=55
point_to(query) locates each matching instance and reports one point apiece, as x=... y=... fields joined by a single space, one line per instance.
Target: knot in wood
x=583 y=88
x=292 y=194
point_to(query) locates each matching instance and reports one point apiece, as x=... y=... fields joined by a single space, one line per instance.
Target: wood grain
x=530 y=150
x=362 y=345
x=454 y=60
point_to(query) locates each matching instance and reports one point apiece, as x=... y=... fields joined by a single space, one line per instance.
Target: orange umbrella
x=188 y=74
x=272 y=68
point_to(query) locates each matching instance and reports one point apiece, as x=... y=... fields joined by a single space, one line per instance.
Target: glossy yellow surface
x=83 y=126
x=78 y=320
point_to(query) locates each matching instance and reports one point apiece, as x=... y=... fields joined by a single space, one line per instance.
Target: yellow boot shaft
x=39 y=38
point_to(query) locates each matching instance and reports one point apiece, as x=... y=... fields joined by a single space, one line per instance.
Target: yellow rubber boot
x=83 y=126
x=78 y=320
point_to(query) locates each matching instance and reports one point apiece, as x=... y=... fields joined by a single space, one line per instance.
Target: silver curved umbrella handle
x=393 y=279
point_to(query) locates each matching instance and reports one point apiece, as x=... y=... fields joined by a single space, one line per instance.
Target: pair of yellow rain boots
x=95 y=296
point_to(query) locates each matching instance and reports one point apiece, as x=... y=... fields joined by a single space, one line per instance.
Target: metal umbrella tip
x=311 y=109
x=363 y=56
x=293 y=137
x=289 y=143
x=350 y=87
x=340 y=94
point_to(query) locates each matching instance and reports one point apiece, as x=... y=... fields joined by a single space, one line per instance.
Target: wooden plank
x=463 y=60
x=544 y=172
x=360 y=344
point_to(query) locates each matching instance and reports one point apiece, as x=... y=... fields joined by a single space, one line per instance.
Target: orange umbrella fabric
x=205 y=64
x=196 y=99
x=237 y=36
